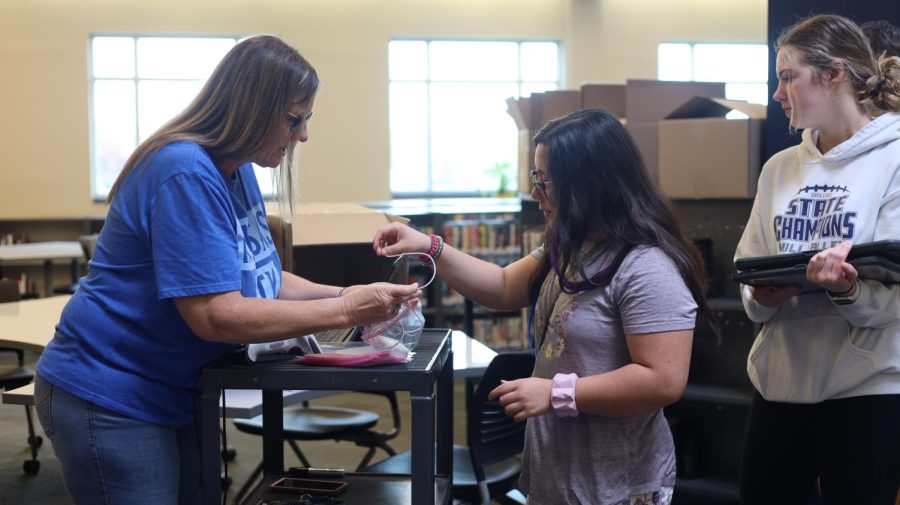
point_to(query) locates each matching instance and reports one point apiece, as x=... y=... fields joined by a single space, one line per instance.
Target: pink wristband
x=562 y=395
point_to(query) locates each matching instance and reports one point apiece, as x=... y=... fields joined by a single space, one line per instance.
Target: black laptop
x=873 y=260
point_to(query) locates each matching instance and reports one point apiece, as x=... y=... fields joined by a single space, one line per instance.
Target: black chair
x=18 y=375
x=319 y=422
x=490 y=465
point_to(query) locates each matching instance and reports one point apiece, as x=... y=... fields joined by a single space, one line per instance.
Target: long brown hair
x=242 y=104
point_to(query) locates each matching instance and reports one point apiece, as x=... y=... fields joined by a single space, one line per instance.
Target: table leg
x=422 y=448
x=211 y=464
x=273 y=432
x=445 y=420
x=76 y=271
x=48 y=278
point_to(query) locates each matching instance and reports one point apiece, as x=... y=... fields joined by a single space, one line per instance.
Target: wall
x=44 y=149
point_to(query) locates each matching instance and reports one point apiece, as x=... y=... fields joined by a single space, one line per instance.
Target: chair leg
x=366 y=459
x=251 y=480
x=32 y=466
x=371 y=452
x=299 y=453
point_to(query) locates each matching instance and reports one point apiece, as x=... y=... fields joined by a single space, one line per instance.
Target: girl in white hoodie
x=826 y=365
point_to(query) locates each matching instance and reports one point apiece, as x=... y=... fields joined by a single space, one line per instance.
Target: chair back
x=492 y=435
x=9 y=290
x=283 y=235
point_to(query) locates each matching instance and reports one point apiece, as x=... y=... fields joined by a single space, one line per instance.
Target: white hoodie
x=811 y=349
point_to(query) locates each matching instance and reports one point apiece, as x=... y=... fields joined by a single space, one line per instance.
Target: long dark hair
x=602 y=188
x=241 y=105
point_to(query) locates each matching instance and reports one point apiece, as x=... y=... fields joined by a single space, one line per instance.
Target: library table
x=46 y=252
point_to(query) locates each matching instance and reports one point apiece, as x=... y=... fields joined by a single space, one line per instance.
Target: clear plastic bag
x=400 y=334
x=389 y=342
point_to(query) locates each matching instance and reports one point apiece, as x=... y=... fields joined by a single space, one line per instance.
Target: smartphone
x=310 y=486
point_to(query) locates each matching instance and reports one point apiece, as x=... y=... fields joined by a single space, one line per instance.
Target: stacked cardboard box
x=704 y=155
x=333 y=243
x=648 y=101
x=640 y=104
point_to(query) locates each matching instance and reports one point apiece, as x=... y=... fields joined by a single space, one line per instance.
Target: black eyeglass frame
x=296 y=120
x=541 y=185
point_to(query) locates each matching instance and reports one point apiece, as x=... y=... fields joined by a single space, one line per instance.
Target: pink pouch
x=343 y=359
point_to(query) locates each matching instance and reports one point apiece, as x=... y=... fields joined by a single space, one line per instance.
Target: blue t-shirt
x=177 y=227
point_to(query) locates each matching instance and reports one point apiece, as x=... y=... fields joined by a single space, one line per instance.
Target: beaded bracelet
x=435 y=243
x=440 y=248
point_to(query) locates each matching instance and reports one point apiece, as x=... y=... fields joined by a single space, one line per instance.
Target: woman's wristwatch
x=562 y=395
x=847 y=297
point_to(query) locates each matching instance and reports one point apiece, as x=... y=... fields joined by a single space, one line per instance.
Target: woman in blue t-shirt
x=184 y=270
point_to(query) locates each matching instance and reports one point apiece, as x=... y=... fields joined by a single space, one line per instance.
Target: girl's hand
x=524 y=398
x=377 y=302
x=830 y=269
x=773 y=296
x=397 y=238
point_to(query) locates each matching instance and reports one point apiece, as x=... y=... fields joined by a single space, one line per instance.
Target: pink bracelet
x=434 y=245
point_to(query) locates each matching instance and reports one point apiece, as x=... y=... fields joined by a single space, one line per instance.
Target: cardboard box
x=609 y=97
x=333 y=243
x=530 y=114
x=704 y=155
x=533 y=112
x=337 y=223
x=646 y=137
x=648 y=101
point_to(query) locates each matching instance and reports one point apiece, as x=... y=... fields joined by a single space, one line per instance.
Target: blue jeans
x=107 y=458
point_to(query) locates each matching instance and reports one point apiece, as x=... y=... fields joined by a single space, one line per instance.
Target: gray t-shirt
x=592 y=459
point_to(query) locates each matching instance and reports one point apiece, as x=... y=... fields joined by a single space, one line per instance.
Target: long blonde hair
x=833 y=43
x=242 y=104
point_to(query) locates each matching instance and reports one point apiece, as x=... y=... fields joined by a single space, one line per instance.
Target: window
x=449 y=129
x=137 y=84
x=742 y=67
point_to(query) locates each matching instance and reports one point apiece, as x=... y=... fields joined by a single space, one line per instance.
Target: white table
x=30 y=324
x=47 y=253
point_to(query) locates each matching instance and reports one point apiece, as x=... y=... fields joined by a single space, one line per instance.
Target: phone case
x=309 y=486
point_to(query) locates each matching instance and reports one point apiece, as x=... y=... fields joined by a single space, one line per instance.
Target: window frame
x=136 y=80
x=428 y=81
x=693 y=47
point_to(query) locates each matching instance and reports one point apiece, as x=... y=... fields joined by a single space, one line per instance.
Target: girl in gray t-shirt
x=614 y=293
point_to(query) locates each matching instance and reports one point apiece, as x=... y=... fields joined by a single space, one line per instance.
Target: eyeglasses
x=297 y=120
x=541 y=185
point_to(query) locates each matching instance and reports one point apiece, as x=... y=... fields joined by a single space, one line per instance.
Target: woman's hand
x=830 y=269
x=773 y=296
x=397 y=238
x=523 y=398
x=377 y=302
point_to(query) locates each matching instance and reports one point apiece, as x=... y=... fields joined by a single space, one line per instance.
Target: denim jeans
x=107 y=458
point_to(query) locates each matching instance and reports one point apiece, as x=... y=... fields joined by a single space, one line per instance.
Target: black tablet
x=873 y=260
